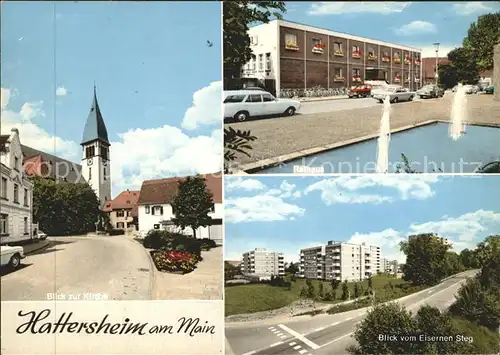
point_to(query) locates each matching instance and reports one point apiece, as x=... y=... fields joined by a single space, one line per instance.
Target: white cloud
x=61 y=91
x=206 y=108
x=239 y=183
x=30 y=133
x=416 y=27
x=469 y=8
x=388 y=240
x=336 y=8
x=261 y=208
x=464 y=228
x=344 y=189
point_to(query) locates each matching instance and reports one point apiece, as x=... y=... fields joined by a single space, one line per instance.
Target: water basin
x=428 y=148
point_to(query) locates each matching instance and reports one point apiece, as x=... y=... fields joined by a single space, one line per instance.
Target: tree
x=345 y=291
x=237 y=16
x=321 y=291
x=192 y=204
x=481 y=38
x=292 y=268
x=65 y=208
x=370 y=283
x=235 y=141
x=425 y=259
x=465 y=66
x=448 y=77
x=230 y=271
x=356 y=290
x=310 y=290
x=335 y=285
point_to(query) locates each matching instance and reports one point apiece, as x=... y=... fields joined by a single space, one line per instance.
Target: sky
x=414 y=24
x=157 y=78
x=286 y=214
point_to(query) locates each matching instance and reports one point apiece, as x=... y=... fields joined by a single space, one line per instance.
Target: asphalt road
x=114 y=268
x=313 y=107
x=322 y=334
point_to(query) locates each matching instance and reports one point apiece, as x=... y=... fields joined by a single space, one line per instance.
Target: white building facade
x=16 y=192
x=155 y=209
x=341 y=261
x=263 y=263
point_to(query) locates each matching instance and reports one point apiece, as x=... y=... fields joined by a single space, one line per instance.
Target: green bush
x=116 y=232
x=156 y=239
x=207 y=244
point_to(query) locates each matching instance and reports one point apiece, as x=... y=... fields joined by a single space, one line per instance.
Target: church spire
x=95 y=129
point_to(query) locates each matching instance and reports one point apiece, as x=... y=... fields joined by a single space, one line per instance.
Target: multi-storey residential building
x=299 y=57
x=123 y=210
x=16 y=192
x=155 y=208
x=341 y=261
x=389 y=265
x=263 y=263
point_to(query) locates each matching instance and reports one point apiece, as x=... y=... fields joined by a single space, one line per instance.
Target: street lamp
x=436 y=48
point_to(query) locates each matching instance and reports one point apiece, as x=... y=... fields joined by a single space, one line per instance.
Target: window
x=26 y=197
x=234 y=98
x=119 y=213
x=90 y=173
x=338 y=73
x=146 y=209
x=291 y=41
x=156 y=226
x=25 y=225
x=16 y=163
x=89 y=152
x=268 y=61
x=157 y=211
x=267 y=97
x=261 y=61
x=104 y=152
x=4 y=227
x=16 y=193
x=104 y=173
x=355 y=51
x=254 y=98
x=337 y=46
x=254 y=64
x=355 y=72
x=4 y=188
x=119 y=225
x=371 y=53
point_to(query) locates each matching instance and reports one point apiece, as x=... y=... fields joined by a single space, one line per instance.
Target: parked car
x=242 y=104
x=430 y=91
x=11 y=256
x=395 y=93
x=360 y=91
x=470 y=89
x=490 y=89
x=41 y=235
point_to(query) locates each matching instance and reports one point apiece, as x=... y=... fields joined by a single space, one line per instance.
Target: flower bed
x=174 y=261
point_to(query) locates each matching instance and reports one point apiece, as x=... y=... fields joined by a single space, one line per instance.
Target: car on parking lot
x=360 y=91
x=242 y=104
x=471 y=89
x=430 y=91
x=42 y=235
x=490 y=89
x=396 y=94
x=11 y=256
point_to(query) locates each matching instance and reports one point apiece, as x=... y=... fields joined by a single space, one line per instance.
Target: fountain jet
x=384 y=138
x=458 y=113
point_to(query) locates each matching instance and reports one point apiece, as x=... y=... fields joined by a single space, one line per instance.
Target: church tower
x=95 y=160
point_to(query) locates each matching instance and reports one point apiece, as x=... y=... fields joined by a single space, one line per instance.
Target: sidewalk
x=34 y=247
x=204 y=283
x=328 y=98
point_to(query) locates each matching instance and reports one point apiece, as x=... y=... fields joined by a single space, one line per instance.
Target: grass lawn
x=253 y=298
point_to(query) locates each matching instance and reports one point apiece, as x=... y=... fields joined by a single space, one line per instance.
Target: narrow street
x=113 y=268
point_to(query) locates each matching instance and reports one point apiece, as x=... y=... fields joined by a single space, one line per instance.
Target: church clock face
x=89 y=162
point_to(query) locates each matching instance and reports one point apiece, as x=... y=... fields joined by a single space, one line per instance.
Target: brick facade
x=311 y=59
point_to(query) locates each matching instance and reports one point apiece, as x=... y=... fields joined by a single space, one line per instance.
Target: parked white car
x=471 y=89
x=42 y=235
x=395 y=93
x=11 y=256
x=242 y=104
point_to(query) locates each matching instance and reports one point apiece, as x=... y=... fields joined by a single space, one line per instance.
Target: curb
x=331 y=98
x=152 y=274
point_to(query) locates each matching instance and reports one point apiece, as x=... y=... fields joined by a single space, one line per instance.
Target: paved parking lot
x=285 y=135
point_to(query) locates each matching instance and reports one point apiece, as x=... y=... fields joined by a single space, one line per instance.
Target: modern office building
x=341 y=261
x=263 y=263
x=300 y=57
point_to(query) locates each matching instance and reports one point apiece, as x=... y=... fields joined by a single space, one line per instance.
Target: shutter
x=161 y=210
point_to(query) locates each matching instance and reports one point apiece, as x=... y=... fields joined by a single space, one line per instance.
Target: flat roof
x=325 y=31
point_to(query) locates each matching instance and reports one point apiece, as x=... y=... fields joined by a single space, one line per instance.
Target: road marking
x=251 y=352
x=276 y=344
x=334 y=340
x=430 y=291
x=299 y=337
x=318 y=329
x=334 y=324
x=296 y=347
x=348 y=319
x=292 y=344
x=302 y=351
x=283 y=336
x=271 y=328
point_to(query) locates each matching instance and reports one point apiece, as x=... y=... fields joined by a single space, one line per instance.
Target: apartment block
x=299 y=57
x=390 y=265
x=341 y=261
x=263 y=263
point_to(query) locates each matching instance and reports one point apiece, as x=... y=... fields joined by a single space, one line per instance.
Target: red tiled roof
x=125 y=200
x=163 y=191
